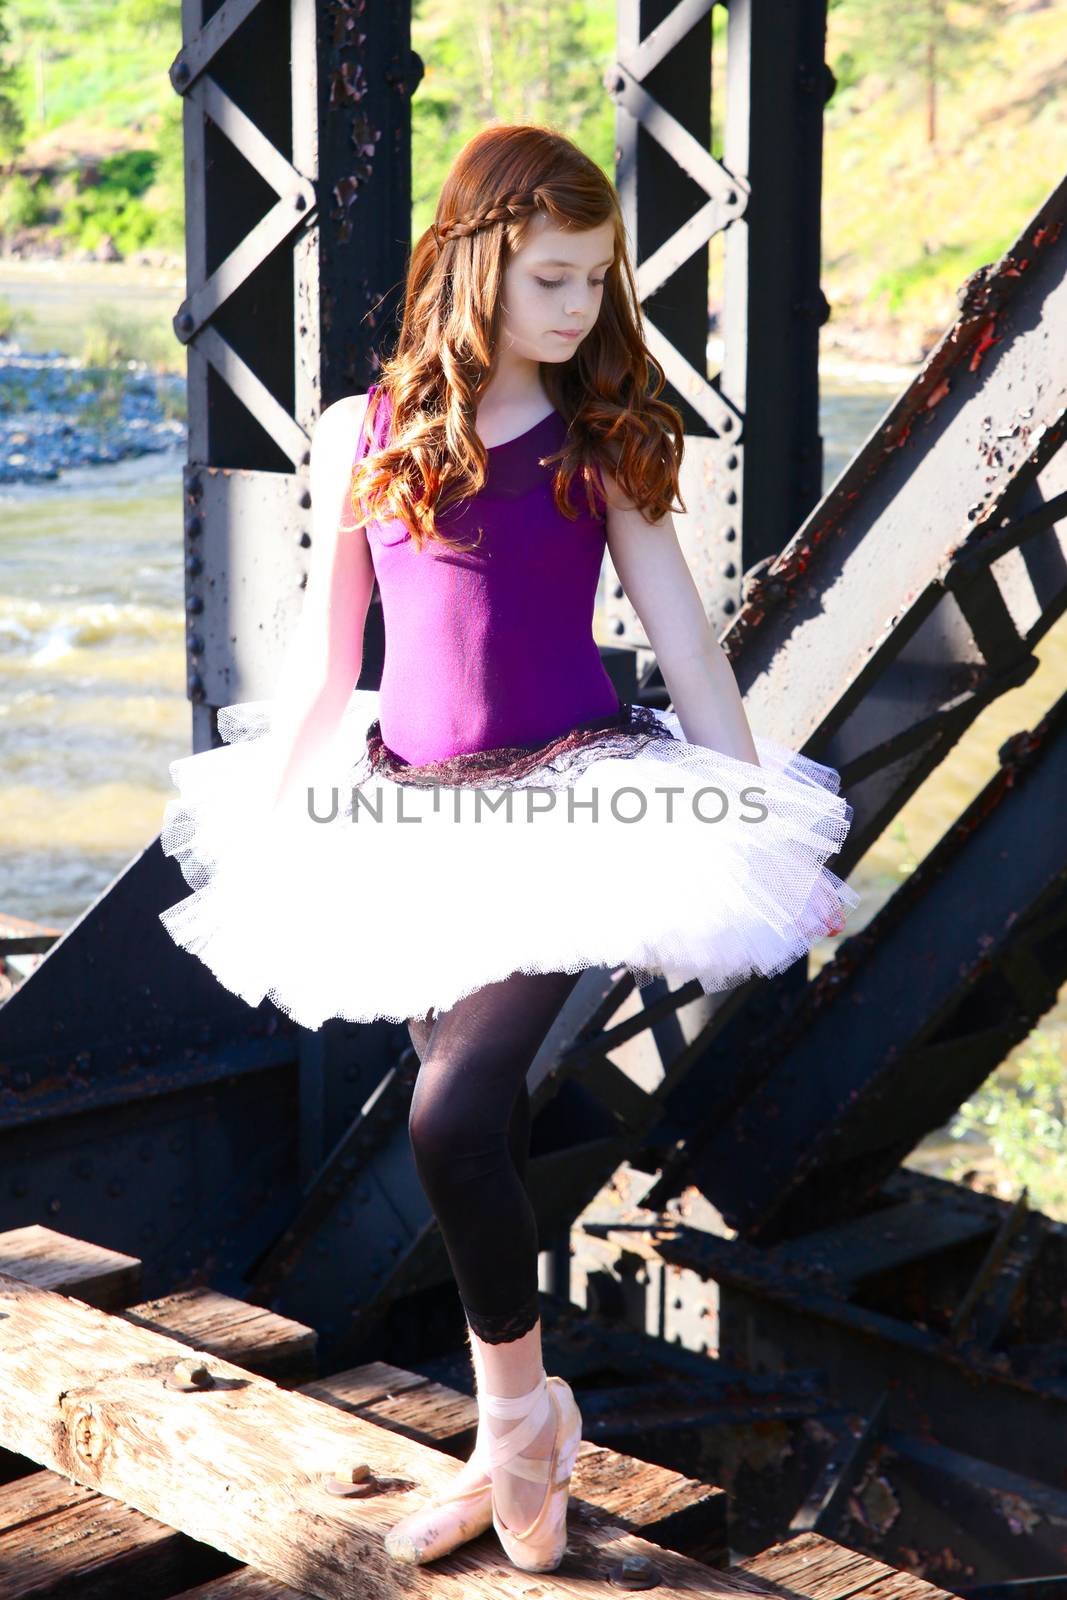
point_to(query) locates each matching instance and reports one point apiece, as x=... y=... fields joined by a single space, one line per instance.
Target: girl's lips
x=571 y=333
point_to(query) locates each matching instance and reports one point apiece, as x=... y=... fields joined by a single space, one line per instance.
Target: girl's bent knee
x=459 y=1108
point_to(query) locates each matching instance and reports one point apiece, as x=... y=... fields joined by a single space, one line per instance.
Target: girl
x=453 y=849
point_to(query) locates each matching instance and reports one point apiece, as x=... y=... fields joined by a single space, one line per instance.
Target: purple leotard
x=492 y=646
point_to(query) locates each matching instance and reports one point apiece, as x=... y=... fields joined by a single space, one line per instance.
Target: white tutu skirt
x=384 y=891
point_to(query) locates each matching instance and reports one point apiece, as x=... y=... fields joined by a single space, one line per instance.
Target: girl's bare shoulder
x=338 y=426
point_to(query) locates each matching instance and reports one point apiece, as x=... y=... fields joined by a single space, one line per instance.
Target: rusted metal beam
x=850 y=1454
x=909 y=1017
x=774 y=1315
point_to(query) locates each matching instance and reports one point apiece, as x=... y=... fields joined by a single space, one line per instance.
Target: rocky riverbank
x=57 y=412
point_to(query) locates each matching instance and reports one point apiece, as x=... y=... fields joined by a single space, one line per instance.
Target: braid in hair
x=509 y=208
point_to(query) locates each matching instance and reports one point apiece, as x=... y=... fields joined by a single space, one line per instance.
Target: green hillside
x=904 y=221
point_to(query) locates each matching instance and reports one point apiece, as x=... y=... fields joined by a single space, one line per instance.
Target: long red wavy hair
x=444 y=357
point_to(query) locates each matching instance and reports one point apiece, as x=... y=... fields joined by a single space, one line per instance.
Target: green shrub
x=109 y=338
x=114 y=204
x=1021 y=1112
x=22 y=203
x=88 y=218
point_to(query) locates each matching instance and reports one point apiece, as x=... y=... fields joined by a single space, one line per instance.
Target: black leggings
x=469 y=1126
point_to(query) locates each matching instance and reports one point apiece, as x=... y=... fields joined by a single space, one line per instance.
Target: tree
x=507 y=61
x=12 y=127
x=930 y=41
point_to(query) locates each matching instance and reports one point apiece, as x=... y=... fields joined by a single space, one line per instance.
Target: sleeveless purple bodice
x=492 y=646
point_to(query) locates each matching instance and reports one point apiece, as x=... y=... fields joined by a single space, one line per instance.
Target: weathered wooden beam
x=60 y=1539
x=808 y=1567
x=240 y=1465
x=104 y=1545
x=42 y=1255
x=244 y=1584
x=812 y=1565
x=254 y=1336
x=53 y=1260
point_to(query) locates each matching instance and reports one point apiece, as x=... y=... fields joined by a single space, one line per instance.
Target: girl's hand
x=835 y=921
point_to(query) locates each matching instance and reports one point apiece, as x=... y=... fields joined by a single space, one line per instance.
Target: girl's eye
x=598 y=283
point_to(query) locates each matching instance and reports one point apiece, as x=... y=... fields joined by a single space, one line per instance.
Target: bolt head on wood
x=634 y=1572
x=190 y=1373
x=350 y=1477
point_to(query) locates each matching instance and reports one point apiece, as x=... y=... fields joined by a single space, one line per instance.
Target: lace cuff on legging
x=501 y=1328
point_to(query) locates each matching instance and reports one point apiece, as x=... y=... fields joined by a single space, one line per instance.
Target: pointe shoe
x=443 y=1523
x=539 y=1547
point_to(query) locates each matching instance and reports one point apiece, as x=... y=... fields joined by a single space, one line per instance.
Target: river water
x=92 y=664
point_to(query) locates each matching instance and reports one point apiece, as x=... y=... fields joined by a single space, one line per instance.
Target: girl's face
x=552 y=287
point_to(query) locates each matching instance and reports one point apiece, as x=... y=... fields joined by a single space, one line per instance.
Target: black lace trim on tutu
x=553 y=764
x=502 y=1328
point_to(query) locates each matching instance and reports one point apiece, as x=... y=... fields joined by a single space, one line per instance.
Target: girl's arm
x=322 y=661
x=659 y=585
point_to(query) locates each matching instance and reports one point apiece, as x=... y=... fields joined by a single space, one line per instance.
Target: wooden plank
x=819 y=1570
x=67 y=1520
x=813 y=1566
x=252 y=1336
x=406 y=1402
x=364 y=1385
x=53 y=1260
x=244 y=1584
x=58 y=1538
x=82 y=1392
